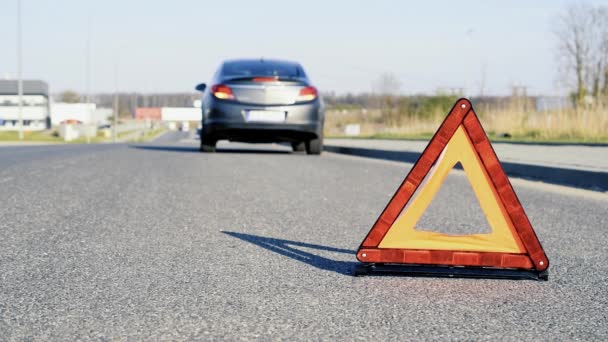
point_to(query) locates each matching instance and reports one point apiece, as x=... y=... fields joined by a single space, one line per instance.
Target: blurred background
x=112 y=70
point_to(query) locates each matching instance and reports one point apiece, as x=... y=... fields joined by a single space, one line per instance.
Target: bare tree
x=387 y=87
x=574 y=49
x=601 y=18
x=69 y=96
x=599 y=50
x=387 y=84
x=582 y=33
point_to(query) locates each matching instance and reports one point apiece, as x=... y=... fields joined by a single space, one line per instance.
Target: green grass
x=53 y=137
x=149 y=135
x=47 y=136
x=125 y=134
x=34 y=136
x=153 y=134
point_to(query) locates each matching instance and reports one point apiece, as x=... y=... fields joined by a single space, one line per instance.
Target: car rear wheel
x=298 y=146
x=314 y=146
x=207 y=146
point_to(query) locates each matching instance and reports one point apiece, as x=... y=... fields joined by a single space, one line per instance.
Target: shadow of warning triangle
x=301 y=251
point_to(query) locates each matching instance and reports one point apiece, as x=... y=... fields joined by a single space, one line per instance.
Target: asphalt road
x=159 y=241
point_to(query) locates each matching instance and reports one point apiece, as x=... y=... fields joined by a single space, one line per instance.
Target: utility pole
x=19 y=77
x=115 y=117
x=88 y=77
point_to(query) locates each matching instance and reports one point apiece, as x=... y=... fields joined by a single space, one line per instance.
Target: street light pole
x=19 y=78
x=116 y=105
x=88 y=77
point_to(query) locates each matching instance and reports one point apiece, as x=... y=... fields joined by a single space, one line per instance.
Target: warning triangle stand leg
x=448 y=271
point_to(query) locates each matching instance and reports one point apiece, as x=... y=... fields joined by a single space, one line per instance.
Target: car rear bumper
x=261 y=132
x=228 y=121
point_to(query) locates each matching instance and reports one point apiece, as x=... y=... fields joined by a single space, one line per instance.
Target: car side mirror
x=200 y=87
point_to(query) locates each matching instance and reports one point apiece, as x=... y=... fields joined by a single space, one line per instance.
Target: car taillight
x=307 y=94
x=222 y=91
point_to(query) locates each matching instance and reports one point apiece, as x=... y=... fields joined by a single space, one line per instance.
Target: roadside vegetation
x=581 y=33
x=37 y=136
x=52 y=136
x=141 y=136
x=507 y=123
x=152 y=134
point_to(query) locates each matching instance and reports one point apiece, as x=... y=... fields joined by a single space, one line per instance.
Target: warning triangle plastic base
x=511 y=251
x=447 y=272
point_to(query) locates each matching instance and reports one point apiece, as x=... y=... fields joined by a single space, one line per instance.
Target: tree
x=602 y=20
x=599 y=50
x=387 y=84
x=582 y=34
x=387 y=87
x=69 y=96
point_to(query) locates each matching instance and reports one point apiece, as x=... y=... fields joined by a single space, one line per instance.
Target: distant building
x=35 y=107
x=181 y=114
x=85 y=113
x=168 y=114
x=148 y=113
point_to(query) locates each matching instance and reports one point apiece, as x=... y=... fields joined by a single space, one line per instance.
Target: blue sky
x=169 y=46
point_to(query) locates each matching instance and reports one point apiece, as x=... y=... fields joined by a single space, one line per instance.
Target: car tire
x=314 y=146
x=298 y=146
x=207 y=146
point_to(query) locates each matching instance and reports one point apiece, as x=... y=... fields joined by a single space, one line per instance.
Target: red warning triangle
x=512 y=244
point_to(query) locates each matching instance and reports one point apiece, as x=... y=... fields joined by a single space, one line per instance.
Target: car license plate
x=266 y=116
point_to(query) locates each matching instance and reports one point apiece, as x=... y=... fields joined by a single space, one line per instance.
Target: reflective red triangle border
x=461 y=114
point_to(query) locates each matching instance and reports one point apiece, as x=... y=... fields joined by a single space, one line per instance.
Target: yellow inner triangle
x=503 y=237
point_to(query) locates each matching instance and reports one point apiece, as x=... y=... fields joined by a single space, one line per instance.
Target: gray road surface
x=161 y=242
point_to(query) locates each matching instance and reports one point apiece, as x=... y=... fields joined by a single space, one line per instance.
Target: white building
x=35 y=105
x=180 y=114
x=85 y=113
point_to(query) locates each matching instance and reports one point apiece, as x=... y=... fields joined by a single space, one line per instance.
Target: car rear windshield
x=261 y=68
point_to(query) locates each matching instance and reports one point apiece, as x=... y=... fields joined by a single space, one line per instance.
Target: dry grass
x=562 y=125
x=582 y=125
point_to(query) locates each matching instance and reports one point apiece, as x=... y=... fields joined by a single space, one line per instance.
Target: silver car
x=262 y=100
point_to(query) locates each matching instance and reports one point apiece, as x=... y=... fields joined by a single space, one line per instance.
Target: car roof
x=261 y=60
